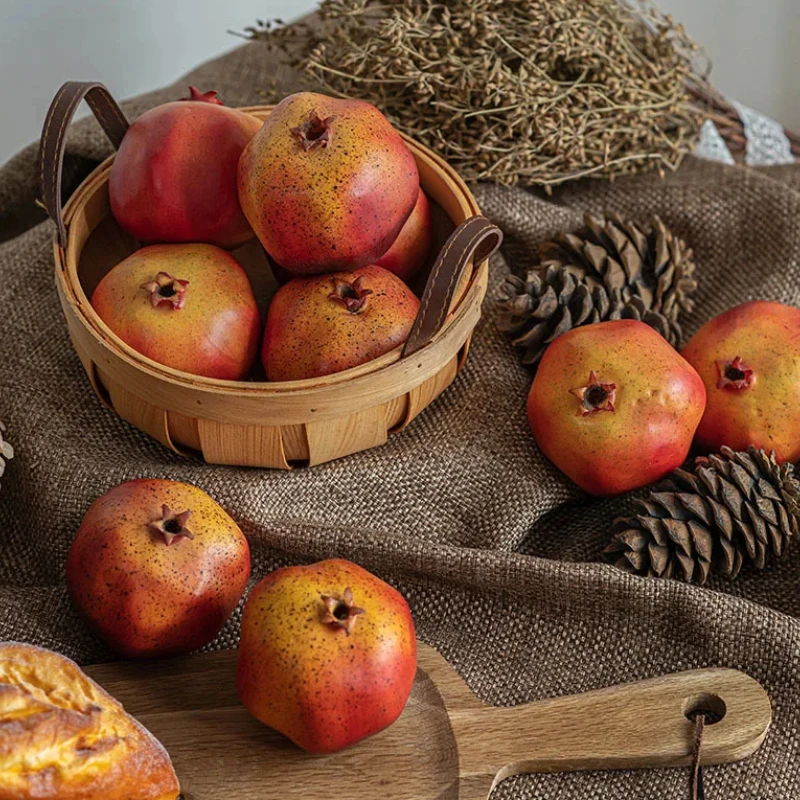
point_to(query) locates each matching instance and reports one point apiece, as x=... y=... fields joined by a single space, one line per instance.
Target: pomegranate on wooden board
x=157 y=567
x=749 y=360
x=187 y=306
x=327 y=323
x=328 y=654
x=327 y=184
x=174 y=177
x=614 y=406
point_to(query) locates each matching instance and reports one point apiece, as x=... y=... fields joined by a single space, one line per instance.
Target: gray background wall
x=133 y=47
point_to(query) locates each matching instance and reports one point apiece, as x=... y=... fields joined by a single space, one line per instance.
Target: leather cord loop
x=475 y=239
x=52 y=145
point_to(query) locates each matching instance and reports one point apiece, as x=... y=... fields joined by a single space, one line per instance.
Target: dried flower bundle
x=512 y=91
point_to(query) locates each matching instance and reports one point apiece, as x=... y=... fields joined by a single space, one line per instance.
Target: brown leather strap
x=51 y=148
x=475 y=239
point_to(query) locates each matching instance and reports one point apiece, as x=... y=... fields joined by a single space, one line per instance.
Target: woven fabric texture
x=498 y=555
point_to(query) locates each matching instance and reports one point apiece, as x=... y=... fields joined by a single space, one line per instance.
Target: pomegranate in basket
x=327 y=323
x=327 y=184
x=187 y=306
x=174 y=177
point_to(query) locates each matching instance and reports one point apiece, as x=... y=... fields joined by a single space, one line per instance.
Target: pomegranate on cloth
x=327 y=323
x=187 y=306
x=157 y=567
x=174 y=177
x=749 y=360
x=327 y=184
x=614 y=406
x=328 y=654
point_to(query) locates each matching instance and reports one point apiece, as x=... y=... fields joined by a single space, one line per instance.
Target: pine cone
x=735 y=508
x=611 y=270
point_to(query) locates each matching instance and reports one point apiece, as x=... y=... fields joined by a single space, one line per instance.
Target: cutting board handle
x=623 y=727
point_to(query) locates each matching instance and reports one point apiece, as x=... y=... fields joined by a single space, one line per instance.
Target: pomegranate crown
x=196 y=96
x=164 y=289
x=595 y=396
x=734 y=374
x=314 y=132
x=353 y=296
x=171 y=525
x=341 y=612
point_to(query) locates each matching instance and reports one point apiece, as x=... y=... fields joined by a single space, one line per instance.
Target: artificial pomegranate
x=410 y=250
x=614 y=406
x=174 y=177
x=320 y=325
x=187 y=306
x=327 y=184
x=328 y=654
x=749 y=360
x=157 y=567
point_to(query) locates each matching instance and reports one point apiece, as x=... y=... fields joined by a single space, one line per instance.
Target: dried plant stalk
x=512 y=91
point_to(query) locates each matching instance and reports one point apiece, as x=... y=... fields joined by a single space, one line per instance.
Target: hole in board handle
x=711 y=706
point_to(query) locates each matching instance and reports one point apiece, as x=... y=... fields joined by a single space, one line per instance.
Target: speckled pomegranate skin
x=216 y=334
x=174 y=177
x=147 y=598
x=659 y=400
x=766 y=336
x=410 y=250
x=327 y=208
x=318 y=686
x=309 y=335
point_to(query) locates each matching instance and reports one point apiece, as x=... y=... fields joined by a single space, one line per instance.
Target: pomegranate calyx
x=595 y=396
x=166 y=289
x=734 y=374
x=171 y=525
x=196 y=96
x=340 y=612
x=314 y=132
x=353 y=296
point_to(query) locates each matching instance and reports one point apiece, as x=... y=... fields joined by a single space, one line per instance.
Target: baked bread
x=62 y=736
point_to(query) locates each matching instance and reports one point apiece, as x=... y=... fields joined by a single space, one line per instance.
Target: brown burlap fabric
x=497 y=554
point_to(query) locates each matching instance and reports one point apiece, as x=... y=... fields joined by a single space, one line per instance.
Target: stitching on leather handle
x=430 y=290
x=423 y=332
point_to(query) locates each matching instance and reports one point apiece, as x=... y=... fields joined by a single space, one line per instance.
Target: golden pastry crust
x=62 y=736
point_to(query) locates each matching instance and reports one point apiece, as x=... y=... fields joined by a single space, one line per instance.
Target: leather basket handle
x=51 y=149
x=476 y=239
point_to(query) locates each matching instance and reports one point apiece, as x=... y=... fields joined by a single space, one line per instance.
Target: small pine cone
x=541 y=307
x=652 y=264
x=610 y=270
x=735 y=508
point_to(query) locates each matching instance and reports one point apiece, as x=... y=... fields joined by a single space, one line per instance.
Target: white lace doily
x=766 y=145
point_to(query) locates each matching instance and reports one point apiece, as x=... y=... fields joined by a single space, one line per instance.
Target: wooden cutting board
x=446 y=745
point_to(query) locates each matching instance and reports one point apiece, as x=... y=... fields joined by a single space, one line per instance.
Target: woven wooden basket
x=261 y=424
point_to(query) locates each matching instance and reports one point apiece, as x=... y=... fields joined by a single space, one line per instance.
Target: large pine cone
x=736 y=508
x=610 y=270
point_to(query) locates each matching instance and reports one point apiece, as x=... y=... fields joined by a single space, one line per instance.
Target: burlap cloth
x=497 y=554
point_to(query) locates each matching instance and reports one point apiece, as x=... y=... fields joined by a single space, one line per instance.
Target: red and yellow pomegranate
x=327 y=323
x=174 y=177
x=410 y=250
x=189 y=307
x=157 y=567
x=327 y=184
x=614 y=406
x=749 y=360
x=328 y=654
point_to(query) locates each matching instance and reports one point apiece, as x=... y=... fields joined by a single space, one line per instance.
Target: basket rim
x=68 y=277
